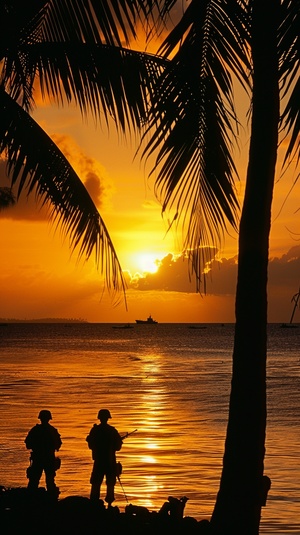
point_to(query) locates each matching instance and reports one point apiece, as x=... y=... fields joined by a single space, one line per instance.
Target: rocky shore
x=24 y=513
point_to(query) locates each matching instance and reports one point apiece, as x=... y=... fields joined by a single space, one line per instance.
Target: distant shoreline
x=4 y=321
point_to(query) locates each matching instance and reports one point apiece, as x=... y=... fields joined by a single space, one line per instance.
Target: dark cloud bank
x=172 y=275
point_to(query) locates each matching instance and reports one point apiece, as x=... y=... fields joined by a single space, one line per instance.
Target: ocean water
x=169 y=382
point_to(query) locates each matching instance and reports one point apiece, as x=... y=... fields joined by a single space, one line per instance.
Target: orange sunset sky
x=39 y=278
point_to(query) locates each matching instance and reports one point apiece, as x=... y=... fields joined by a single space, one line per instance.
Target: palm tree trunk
x=238 y=506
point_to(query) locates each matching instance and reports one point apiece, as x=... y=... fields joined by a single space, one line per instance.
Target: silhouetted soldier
x=43 y=439
x=104 y=440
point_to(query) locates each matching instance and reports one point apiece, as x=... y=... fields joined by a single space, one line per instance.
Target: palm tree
x=72 y=52
x=255 y=42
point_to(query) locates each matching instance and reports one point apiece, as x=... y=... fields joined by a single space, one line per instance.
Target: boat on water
x=295 y=299
x=126 y=326
x=148 y=321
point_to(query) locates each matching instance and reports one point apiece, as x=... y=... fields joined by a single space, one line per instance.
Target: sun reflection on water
x=148 y=459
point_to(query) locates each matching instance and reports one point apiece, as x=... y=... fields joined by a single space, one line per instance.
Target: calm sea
x=168 y=381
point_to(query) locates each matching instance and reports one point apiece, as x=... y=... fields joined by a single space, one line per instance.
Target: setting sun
x=147 y=262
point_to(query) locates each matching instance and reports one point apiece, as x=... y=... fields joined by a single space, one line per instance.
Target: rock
x=25 y=513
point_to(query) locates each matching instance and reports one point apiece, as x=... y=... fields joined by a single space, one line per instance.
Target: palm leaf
x=111 y=22
x=289 y=58
x=36 y=163
x=194 y=121
x=100 y=79
x=63 y=49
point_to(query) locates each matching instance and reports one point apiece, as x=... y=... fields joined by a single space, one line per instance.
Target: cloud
x=172 y=275
x=90 y=171
x=285 y=271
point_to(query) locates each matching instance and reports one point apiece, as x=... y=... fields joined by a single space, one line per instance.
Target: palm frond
x=291 y=123
x=38 y=165
x=289 y=59
x=212 y=35
x=193 y=119
x=18 y=25
x=76 y=24
x=100 y=79
x=111 y=22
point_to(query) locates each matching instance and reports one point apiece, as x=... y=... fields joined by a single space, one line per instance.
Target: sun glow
x=147 y=262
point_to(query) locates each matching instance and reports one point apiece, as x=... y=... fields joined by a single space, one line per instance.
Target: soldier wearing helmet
x=45 y=415
x=43 y=440
x=104 y=440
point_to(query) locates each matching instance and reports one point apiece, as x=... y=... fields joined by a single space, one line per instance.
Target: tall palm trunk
x=238 y=506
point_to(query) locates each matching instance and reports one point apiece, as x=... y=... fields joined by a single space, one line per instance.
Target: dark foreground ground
x=22 y=513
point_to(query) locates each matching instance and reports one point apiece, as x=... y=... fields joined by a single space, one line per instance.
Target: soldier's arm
x=58 y=442
x=91 y=437
x=118 y=441
x=29 y=439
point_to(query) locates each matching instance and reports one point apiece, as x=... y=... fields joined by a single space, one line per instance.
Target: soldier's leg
x=95 y=491
x=96 y=481
x=50 y=473
x=34 y=474
x=50 y=483
x=110 y=487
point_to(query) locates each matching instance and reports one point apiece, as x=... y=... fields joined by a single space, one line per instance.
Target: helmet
x=104 y=414
x=45 y=415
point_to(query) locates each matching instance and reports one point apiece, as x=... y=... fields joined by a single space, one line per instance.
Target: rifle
x=119 y=467
x=128 y=434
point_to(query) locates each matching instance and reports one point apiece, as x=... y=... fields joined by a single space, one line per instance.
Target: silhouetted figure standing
x=104 y=440
x=43 y=440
